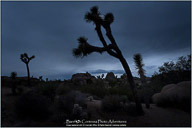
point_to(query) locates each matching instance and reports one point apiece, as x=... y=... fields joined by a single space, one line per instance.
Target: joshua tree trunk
x=126 y=68
x=132 y=83
x=28 y=74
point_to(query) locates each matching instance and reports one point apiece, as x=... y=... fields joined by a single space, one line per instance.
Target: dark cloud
x=160 y=31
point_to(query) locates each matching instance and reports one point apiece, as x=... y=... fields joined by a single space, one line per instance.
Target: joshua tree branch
x=92 y=48
x=85 y=48
x=99 y=33
x=111 y=38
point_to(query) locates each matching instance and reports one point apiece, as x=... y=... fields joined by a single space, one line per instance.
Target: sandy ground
x=155 y=116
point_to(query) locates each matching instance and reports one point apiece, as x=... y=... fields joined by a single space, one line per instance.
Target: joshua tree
x=13 y=87
x=25 y=59
x=112 y=49
x=139 y=66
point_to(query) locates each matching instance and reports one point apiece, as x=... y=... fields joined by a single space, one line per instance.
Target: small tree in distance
x=112 y=49
x=26 y=59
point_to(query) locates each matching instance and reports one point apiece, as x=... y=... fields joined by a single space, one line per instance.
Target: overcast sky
x=159 y=31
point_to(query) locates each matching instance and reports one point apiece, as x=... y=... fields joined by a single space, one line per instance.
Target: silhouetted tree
x=139 y=66
x=26 y=59
x=112 y=49
x=13 y=86
x=167 y=67
x=183 y=63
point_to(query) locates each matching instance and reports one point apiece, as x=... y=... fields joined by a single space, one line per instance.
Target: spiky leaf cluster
x=139 y=63
x=85 y=48
x=82 y=49
x=94 y=16
x=25 y=58
x=109 y=18
x=138 y=60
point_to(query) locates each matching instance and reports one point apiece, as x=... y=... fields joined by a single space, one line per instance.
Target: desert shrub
x=80 y=98
x=121 y=90
x=32 y=106
x=99 y=91
x=65 y=103
x=111 y=103
x=48 y=90
x=62 y=89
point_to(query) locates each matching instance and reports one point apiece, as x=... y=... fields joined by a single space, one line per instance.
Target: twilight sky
x=159 y=31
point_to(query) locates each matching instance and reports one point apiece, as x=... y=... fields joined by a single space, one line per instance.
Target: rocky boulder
x=83 y=78
x=110 y=77
x=174 y=95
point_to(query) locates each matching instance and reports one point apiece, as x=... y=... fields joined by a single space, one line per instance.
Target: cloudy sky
x=159 y=31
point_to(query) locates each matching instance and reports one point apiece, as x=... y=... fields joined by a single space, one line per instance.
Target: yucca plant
x=26 y=59
x=139 y=67
x=112 y=49
x=141 y=72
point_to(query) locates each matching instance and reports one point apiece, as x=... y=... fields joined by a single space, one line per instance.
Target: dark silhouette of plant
x=26 y=59
x=40 y=78
x=141 y=72
x=47 y=79
x=112 y=49
x=13 y=86
x=139 y=66
x=13 y=75
x=167 y=67
x=172 y=72
x=183 y=64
